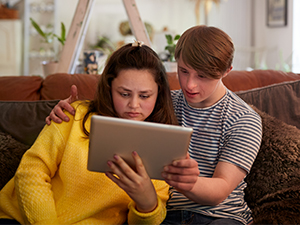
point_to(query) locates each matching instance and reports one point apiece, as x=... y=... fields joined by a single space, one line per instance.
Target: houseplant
x=171 y=44
x=170 y=64
x=50 y=67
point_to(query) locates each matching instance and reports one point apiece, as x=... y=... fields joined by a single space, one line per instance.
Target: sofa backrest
x=281 y=101
x=20 y=88
x=246 y=80
x=57 y=86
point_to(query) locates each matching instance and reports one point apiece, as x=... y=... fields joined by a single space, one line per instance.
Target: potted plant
x=50 y=67
x=170 y=47
x=170 y=64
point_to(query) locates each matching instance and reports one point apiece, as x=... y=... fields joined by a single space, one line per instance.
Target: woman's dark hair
x=139 y=57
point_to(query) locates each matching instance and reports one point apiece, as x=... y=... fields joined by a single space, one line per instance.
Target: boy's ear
x=227 y=71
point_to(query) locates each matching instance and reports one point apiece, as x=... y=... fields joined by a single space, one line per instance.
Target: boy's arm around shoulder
x=57 y=114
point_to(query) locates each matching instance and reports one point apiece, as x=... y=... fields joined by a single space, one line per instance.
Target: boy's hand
x=182 y=174
x=57 y=114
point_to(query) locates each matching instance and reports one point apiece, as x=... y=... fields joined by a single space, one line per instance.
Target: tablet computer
x=157 y=144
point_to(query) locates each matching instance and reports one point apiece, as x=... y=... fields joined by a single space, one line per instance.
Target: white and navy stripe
x=228 y=131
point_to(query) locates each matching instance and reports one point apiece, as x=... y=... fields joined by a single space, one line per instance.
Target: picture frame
x=276 y=13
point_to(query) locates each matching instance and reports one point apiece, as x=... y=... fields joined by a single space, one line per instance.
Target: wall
x=233 y=16
x=296 y=37
x=276 y=40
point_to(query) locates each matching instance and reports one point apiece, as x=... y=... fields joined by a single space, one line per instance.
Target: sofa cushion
x=24 y=120
x=279 y=100
x=273 y=191
x=20 y=88
x=11 y=152
x=58 y=86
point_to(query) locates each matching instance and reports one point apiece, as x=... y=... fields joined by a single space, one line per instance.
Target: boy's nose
x=190 y=83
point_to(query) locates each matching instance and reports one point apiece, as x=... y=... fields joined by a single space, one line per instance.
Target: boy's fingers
x=185 y=163
x=55 y=118
x=48 y=120
x=74 y=94
x=58 y=109
x=187 y=155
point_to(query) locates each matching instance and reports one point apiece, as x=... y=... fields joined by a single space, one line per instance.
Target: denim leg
x=225 y=222
x=182 y=217
x=173 y=217
x=208 y=220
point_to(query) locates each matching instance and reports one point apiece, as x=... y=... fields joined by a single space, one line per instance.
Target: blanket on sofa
x=273 y=191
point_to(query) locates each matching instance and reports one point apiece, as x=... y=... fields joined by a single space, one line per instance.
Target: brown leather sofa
x=273 y=191
x=57 y=86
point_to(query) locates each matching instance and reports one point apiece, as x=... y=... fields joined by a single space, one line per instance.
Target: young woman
x=208 y=187
x=52 y=184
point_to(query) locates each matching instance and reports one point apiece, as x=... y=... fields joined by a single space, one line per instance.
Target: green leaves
x=171 y=46
x=170 y=40
x=62 y=38
x=49 y=36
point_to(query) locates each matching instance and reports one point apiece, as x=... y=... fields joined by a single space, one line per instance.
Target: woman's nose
x=134 y=102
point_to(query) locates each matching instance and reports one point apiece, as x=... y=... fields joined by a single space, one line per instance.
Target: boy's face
x=199 y=91
x=134 y=93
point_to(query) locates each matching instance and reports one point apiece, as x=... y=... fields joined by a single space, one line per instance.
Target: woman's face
x=134 y=93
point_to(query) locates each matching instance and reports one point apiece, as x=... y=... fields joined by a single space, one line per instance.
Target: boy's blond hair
x=206 y=49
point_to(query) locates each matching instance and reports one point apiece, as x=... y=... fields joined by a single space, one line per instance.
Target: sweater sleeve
x=158 y=214
x=33 y=177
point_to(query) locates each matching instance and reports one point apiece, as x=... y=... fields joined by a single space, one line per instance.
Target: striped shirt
x=228 y=131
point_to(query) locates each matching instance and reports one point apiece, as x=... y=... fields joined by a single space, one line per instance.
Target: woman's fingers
x=135 y=182
x=140 y=168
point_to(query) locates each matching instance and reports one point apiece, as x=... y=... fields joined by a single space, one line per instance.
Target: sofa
x=273 y=191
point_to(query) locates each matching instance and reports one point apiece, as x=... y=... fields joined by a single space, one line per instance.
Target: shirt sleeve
x=243 y=141
x=33 y=177
x=158 y=214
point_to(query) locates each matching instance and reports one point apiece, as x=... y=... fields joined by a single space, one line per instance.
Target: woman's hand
x=182 y=174
x=57 y=114
x=137 y=184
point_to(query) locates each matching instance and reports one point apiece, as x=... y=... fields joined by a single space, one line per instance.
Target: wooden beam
x=136 y=24
x=75 y=37
x=74 y=41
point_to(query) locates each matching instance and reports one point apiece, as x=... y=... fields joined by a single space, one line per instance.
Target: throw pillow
x=273 y=191
x=24 y=120
x=278 y=100
x=11 y=152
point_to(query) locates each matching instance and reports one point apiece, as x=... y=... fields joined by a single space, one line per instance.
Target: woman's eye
x=144 y=96
x=124 y=94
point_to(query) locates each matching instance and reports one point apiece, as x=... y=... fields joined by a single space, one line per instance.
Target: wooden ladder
x=75 y=38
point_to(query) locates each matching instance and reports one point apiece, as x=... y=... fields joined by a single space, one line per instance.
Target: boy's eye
x=184 y=71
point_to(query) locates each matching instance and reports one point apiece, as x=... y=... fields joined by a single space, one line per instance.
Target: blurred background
x=262 y=40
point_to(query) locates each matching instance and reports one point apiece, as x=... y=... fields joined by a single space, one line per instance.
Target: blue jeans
x=187 y=217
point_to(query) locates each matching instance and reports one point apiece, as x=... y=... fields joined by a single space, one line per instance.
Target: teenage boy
x=208 y=186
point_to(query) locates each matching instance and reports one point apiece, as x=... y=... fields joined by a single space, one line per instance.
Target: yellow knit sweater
x=53 y=186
